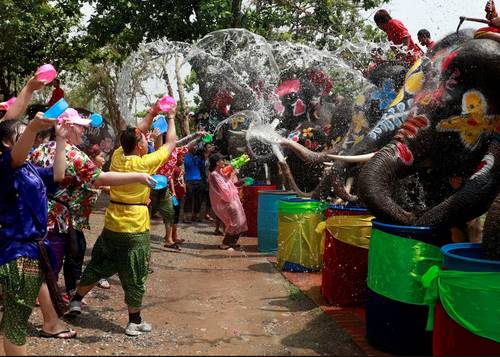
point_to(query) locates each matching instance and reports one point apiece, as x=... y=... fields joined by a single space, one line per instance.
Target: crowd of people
x=49 y=187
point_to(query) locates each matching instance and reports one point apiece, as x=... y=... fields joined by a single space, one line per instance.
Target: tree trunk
x=170 y=89
x=236 y=14
x=184 y=110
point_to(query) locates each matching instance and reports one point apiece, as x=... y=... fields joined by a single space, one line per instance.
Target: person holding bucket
x=70 y=206
x=124 y=244
x=23 y=225
x=226 y=202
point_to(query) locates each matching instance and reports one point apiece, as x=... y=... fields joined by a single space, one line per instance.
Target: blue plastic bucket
x=267 y=219
x=161 y=124
x=56 y=109
x=161 y=182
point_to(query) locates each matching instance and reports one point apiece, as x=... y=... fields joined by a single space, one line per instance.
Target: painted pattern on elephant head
x=408 y=130
x=401 y=106
x=474 y=120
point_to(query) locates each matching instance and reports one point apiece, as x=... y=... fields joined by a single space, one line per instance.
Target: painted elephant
x=452 y=131
x=370 y=129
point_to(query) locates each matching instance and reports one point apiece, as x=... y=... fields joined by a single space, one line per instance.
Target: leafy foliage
x=33 y=32
x=324 y=23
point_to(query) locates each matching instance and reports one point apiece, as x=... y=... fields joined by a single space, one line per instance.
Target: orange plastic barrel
x=250 y=203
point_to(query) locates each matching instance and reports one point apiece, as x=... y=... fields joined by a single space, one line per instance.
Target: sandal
x=225 y=247
x=172 y=246
x=179 y=241
x=65 y=334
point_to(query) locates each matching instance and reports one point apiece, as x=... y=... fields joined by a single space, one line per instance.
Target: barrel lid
x=391 y=227
x=299 y=200
x=277 y=192
x=452 y=251
x=348 y=208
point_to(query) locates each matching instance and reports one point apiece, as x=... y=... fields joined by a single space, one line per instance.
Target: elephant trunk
x=332 y=181
x=491 y=232
x=290 y=183
x=304 y=153
x=375 y=186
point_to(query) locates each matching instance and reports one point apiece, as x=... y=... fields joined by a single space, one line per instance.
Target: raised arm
x=60 y=157
x=190 y=140
x=171 y=133
x=146 y=122
x=123 y=178
x=22 y=147
x=23 y=99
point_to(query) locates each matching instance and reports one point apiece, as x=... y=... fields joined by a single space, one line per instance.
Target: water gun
x=236 y=163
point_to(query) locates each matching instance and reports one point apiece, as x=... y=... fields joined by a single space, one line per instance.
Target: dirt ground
x=201 y=301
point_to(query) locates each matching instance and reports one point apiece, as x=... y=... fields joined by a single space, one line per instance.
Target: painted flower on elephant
x=359 y=121
x=474 y=120
x=307 y=133
x=385 y=95
x=236 y=121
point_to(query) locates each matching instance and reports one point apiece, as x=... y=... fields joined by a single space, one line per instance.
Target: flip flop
x=225 y=247
x=172 y=246
x=60 y=334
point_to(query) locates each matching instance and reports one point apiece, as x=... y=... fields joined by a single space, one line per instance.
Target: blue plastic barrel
x=394 y=326
x=267 y=219
x=467 y=257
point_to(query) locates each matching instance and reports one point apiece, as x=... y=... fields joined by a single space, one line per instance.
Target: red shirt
x=57 y=94
x=178 y=179
x=396 y=33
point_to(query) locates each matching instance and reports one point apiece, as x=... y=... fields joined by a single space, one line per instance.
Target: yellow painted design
x=235 y=122
x=307 y=133
x=413 y=68
x=398 y=98
x=414 y=83
x=360 y=100
x=359 y=121
x=473 y=122
x=358 y=138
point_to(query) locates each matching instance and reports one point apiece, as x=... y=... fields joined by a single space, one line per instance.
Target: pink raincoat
x=226 y=203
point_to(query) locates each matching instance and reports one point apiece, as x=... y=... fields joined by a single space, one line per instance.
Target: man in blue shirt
x=193 y=166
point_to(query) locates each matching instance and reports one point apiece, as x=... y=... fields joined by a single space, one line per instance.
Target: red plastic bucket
x=345 y=266
x=250 y=203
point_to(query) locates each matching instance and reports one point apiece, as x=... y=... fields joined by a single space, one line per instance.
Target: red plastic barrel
x=345 y=266
x=250 y=203
x=449 y=338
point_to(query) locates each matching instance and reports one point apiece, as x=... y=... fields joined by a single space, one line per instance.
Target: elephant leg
x=491 y=231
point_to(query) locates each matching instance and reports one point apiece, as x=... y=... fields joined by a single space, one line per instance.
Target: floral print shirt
x=75 y=189
x=167 y=168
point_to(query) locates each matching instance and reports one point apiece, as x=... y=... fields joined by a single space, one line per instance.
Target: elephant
x=453 y=130
x=370 y=129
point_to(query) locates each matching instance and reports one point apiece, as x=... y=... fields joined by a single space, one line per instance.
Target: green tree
x=324 y=23
x=127 y=23
x=33 y=32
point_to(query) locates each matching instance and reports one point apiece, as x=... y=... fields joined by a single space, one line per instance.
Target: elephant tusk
x=355 y=158
x=237 y=133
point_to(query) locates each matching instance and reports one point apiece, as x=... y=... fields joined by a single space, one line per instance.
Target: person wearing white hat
x=70 y=206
